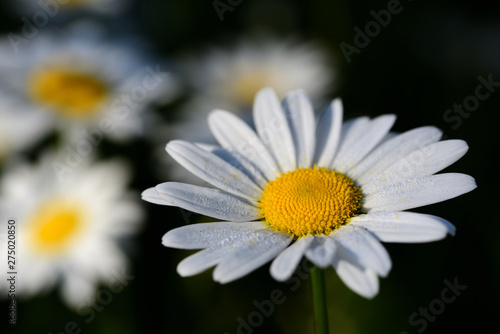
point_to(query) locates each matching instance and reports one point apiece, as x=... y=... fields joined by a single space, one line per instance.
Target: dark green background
x=428 y=58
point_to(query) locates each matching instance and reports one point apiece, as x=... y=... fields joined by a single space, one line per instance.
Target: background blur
x=430 y=56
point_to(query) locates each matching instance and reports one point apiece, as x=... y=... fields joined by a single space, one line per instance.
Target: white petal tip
x=266 y=90
x=295 y=92
x=281 y=278
x=384 y=273
x=278 y=274
x=221 y=280
x=148 y=192
x=168 y=239
x=337 y=101
x=216 y=113
x=173 y=145
x=185 y=271
x=450 y=228
x=337 y=104
x=151 y=195
x=468 y=183
x=390 y=118
x=370 y=295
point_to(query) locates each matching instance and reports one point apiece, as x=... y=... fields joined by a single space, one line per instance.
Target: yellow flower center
x=310 y=201
x=70 y=92
x=247 y=85
x=54 y=224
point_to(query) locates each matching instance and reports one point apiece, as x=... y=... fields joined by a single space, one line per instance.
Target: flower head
x=80 y=81
x=326 y=190
x=235 y=74
x=67 y=233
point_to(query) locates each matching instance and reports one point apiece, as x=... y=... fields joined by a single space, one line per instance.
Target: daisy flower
x=68 y=232
x=234 y=75
x=326 y=191
x=82 y=82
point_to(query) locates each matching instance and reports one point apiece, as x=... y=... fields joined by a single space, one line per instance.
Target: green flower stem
x=319 y=300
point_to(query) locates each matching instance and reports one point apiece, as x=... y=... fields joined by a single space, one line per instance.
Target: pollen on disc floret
x=310 y=201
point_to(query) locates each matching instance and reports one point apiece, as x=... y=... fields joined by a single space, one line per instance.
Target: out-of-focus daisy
x=235 y=75
x=324 y=190
x=68 y=231
x=55 y=9
x=229 y=78
x=82 y=82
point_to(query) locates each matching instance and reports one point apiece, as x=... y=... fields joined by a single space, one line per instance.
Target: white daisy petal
x=206 y=235
x=206 y=201
x=364 y=248
x=262 y=248
x=352 y=129
x=300 y=114
x=328 y=130
x=240 y=162
x=405 y=227
x=213 y=169
x=76 y=288
x=236 y=136
x=416 y=192
x=273 y=129
x=201 y=261
x=388 y=137
x=352 y=152
x=285 y=264
x=425 y=161
x=360 y=280
x=322 y=251
x=392 y=150
x=151 y=195
x=221 y=242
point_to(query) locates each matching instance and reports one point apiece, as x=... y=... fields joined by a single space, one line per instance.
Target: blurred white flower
x=235 y=75
x=82 y=82
x=68 y=231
